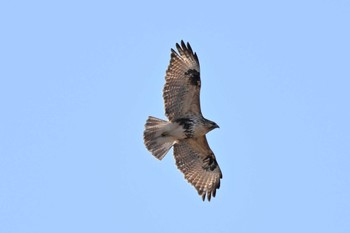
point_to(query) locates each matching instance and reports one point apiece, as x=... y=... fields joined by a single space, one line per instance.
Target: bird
x=186 y=127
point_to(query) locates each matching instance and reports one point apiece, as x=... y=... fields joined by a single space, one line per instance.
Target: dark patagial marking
x=209 y=163
x=187 y=124
x=194 y=77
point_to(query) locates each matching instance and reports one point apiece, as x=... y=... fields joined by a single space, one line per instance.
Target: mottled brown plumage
x=197 y=162
x=186 y=127
x=181 y=97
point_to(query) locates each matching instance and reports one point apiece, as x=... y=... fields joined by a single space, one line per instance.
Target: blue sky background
x=79 y=78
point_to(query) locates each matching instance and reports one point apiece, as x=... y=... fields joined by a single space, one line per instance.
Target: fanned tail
x=155 y=137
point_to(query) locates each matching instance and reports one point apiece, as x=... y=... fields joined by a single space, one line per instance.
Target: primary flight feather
x=186 y=128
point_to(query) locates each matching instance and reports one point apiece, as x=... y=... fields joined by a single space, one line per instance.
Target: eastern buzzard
x=186 y=127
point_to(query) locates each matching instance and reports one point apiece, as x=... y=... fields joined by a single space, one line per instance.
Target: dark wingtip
x=189 y=47
x=173 y=53
x=186 y=47
x=183 y=45
x=196 y=57
x=178 y=46
x=209 y=196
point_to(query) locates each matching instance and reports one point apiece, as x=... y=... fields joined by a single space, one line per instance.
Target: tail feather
x=155 y=137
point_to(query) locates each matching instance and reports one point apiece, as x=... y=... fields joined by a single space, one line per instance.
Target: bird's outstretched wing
x=182 y=86
x=197 y=162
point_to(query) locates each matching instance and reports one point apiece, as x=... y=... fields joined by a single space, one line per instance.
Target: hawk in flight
x=186 y=127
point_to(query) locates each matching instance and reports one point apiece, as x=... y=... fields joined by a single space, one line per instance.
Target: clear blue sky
x=79 y=78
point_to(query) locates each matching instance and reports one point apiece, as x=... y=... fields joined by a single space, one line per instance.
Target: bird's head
x=212 y=125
